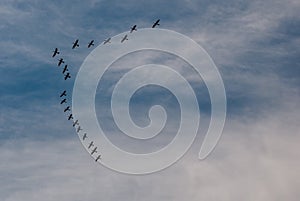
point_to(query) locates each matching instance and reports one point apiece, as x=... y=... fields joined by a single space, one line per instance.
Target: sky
x=254 y=44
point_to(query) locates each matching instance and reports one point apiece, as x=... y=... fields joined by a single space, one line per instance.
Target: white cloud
x=254 y=160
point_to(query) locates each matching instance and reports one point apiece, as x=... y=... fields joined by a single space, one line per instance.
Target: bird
x=91 y=44
x=67 y=109
x=63 y=101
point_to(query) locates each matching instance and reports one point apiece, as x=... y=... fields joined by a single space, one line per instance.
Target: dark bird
x=60 y=61
x=133 y=29
x=94 y=151
x=65 y=69
x=75 y=123
x=67 y=76
x=84 y=136
x=70 y=117
x=79 y=129
x=91 y=44
x=75 y=44
x=67 y=109
x=64 y=93
x=107 y=41
x=156 y=23
x=63 y=101
x=98 y=157
x=55 y=52
x=124 y=38
x=91 y=144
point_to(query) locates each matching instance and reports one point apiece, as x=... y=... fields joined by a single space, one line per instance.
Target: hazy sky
x=255 y=45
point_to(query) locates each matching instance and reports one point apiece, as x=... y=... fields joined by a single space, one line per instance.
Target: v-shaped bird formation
x=64 y=95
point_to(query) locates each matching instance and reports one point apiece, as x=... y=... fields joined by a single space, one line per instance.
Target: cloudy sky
x=256 y=47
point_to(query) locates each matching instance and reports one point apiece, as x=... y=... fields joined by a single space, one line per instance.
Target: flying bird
x=70 y=117
x=65 y=69
x=64 y=93
x=75 y=44
x=91 y=144
x=133 y=29
x=60 y=61
x=156 y=23
x=98 y=157
x=67 y=76
x=106 y=41
x=75 y=123
x=55 y=52
x=63 y=101
x=84 y=136
x=79 y=129
x=94 y=151
x=124 y=38
x=91 y=44
x=67 y=109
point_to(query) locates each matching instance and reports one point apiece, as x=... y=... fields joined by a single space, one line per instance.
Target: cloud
x=255 y=160
x=255 y=44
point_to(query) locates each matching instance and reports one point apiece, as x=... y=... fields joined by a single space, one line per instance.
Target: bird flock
x=92 y=148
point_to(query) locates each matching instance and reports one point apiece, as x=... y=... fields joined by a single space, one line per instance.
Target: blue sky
x=255 y=45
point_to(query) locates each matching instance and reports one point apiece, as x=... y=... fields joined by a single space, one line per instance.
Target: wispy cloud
x=255 y=44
